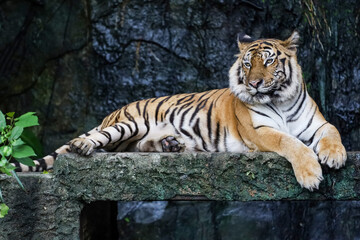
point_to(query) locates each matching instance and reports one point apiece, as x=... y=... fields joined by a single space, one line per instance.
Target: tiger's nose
x=256 y=83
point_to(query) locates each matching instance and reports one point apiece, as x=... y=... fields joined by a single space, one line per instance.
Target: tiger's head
x=266 y=70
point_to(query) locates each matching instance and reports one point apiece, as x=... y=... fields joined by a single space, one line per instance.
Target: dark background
x=74 y=62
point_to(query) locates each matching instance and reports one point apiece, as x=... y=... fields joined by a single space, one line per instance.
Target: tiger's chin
x=250 y=97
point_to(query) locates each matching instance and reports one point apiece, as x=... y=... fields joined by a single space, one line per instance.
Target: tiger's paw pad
x=171 y=144
x=332 y=154
x=82 y=146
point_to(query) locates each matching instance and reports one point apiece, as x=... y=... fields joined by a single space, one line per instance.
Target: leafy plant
x=15 y=146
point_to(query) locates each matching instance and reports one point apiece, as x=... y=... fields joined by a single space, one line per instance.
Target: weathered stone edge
x=213 y=176
x=216 y=176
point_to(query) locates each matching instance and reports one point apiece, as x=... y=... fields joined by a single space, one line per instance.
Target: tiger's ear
x=243 y=41
x=292 y=42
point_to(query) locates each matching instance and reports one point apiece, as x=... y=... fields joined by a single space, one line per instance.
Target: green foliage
x=16 y=144
x=3 y=210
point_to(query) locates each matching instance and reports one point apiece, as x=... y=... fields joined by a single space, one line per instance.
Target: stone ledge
x=51 y=207
x=216 y=176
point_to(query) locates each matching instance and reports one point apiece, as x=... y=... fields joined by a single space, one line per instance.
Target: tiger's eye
x=246 y=64
x=269 y=61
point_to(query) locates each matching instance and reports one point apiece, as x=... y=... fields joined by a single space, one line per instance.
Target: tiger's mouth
x=262 y=90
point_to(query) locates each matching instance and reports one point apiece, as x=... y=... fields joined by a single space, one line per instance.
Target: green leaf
x=7 y=169
x=30 y=139
x=22 y=151
x=27 y=120
x=3 y=210
x=18 y=142
x=17 y=179
x=16 y=133
x=5 y=151
x=2 y=121
x=10 y=114
x=26 y=161
x=3 y=161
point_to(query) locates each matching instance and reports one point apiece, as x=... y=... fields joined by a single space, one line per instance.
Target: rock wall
x=74 y=62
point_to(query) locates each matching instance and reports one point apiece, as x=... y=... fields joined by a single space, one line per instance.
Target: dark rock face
x=241 y=220
x=74 y=62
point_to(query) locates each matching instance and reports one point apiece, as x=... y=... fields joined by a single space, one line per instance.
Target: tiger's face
x=266 y=71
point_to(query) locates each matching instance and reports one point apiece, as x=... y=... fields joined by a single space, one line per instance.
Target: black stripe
x=205 y=93
x=308 y=124
x=145 y=107
x=172 y=116
x=100 y=143
x=196 y=130
x=291 y=117
x=240 y=79
x=128 y=125
x=166 y=113
x=116 y=127
x=119 y=142
x=238 y=129
x=54 y=155
x=130 y=117
x=199 y=106
x=217 y=136
x=18 y=168
x=209 y=120
x=42 y=165
x=274 y=110
x=257 y=112
x=184 y=99
x=107 y=135
x=301 y=92
x=225 y=137
x=290 y=70
x=158 y=109
x=138 y=107
x=267 y=43
x=185 y=106
x=220 y=96
x=261 y=126
x=182 y=123
x=93 y=141
x=282 y=60
x=311 y=139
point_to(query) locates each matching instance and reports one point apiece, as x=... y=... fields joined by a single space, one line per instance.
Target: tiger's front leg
x=82 y=146
x=330 y=148
x=102 y=138
x=304 y=161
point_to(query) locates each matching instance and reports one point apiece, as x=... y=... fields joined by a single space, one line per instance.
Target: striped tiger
x=266 y=108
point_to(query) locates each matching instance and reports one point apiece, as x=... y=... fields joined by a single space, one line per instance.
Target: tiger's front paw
x=332 y=153
x=308 y=172
x=82 y=146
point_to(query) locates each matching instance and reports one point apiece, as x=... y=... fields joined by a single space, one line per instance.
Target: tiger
x=266 y=108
